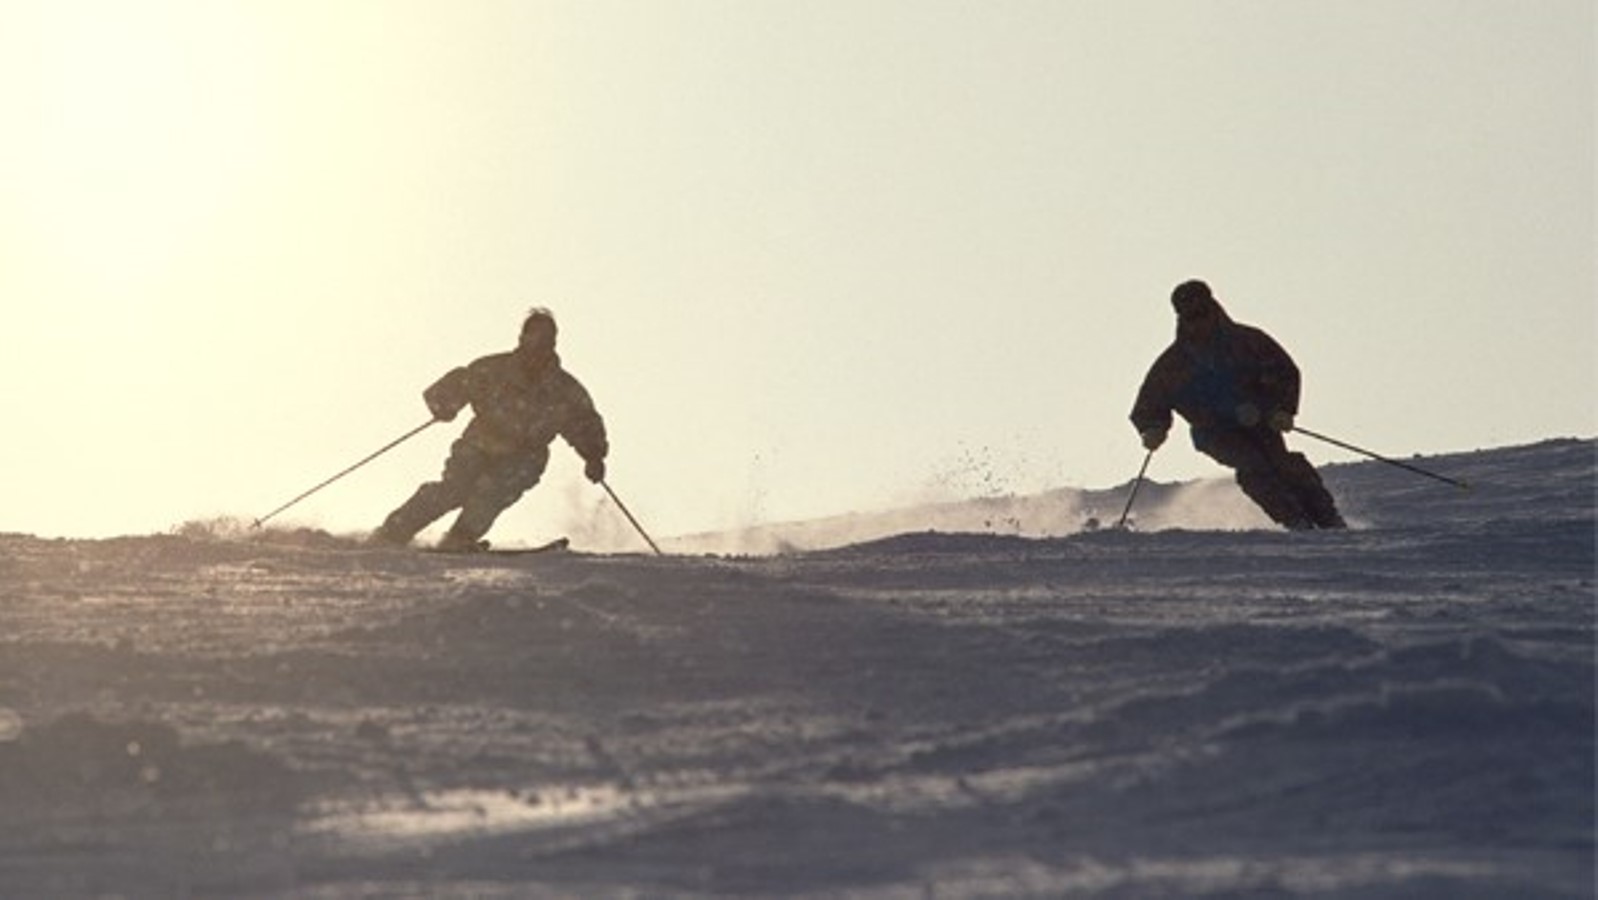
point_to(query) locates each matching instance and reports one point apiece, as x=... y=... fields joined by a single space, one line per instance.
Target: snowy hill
x=1369 y=493
x=1405 y=709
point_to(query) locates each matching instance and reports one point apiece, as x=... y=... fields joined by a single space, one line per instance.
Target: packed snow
x=987 y=699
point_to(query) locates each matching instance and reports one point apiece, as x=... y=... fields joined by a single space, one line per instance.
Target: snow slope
x=1369 y=494
x=1402 y=710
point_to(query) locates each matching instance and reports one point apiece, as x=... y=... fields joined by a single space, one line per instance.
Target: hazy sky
x=810 y=256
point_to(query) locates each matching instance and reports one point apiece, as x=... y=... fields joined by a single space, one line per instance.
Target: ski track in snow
x=1405 y=709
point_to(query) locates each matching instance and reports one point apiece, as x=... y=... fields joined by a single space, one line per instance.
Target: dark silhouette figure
x=521 y=401
x=1238 y=390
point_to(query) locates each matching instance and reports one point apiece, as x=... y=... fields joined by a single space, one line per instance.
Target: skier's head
x=1196 y=308
x=538 y=335
x=1193 y=298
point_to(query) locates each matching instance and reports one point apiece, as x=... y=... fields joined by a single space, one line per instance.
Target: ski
x=484 y=548
x=559 y=543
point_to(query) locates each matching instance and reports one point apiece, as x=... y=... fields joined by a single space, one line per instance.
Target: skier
x=1238 y=390
x=521 y=400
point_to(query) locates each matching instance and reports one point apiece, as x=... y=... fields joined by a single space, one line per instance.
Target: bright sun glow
x=141 y=139
x=809 y=258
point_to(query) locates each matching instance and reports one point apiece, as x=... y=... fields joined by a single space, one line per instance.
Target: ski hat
x=1192 y=298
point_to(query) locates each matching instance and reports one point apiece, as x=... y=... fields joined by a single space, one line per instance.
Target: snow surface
x=1405 y=709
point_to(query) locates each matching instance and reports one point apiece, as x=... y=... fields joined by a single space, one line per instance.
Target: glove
x=1248 y=415
x=446 y=397
x=1282 y=420
x=595 y=470
x=441 y=411
x=1153 y=438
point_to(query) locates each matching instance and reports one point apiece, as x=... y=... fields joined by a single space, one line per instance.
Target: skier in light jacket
x=1238 y=390
x=521 y=400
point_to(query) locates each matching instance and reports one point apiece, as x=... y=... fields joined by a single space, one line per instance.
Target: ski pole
x=386 y=447
x=624 y=511
x=1135 y=485
x=1459 y=483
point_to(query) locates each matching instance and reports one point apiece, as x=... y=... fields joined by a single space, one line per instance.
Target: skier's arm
x=1151 y=412
x=447 y=396
x=1278 y=378
x=584 y=430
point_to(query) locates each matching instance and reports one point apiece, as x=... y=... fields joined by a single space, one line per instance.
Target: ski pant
x=478 y=483
x=1280 y=482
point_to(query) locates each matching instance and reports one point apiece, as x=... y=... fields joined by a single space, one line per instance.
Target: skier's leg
x=499 y=486
x=430 y=501
x=1248 y=451
x=1311 y=492
x=433 y=499
x=1267 y=489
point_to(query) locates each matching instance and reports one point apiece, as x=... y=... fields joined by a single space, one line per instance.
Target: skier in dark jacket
x=1238 y=390
x=521 y=400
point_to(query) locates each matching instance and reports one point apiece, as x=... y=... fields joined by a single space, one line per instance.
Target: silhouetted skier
x=521 y=400
x=1238 y=390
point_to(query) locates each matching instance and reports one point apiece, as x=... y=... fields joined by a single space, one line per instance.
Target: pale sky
x=809 y=256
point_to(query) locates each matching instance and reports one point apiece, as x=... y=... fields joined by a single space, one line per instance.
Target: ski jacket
x=518 y=409
x=1206 y=381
